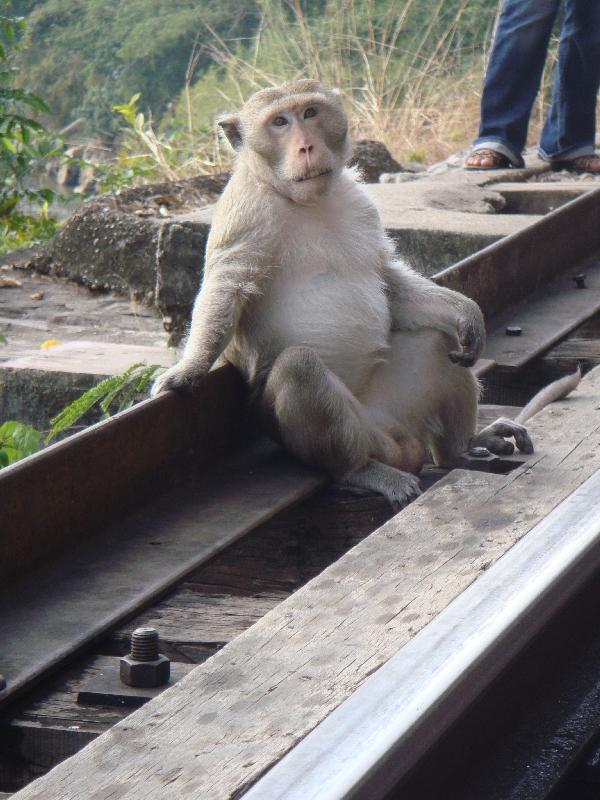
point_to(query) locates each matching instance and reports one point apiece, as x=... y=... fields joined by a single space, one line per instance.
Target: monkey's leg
x=431 y=398
x=317 y=417
x=323 y=424
x=437 y=400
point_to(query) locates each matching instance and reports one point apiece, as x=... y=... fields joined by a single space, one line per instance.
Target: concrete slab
x=92 y=358
x=437 y=219
x=100 y=334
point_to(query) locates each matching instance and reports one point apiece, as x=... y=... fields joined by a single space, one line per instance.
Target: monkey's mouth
x=312 y=177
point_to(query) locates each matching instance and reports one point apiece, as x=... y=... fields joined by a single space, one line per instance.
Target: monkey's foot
x=397 y=486
x=182 y=377
x=494 y=438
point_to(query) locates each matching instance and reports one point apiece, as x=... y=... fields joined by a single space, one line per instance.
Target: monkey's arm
x=226 y=288
x=417 y=302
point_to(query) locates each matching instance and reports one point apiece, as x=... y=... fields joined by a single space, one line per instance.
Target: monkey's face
x=294 y=139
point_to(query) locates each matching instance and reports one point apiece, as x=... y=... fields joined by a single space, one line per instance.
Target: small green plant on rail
x=111 y=395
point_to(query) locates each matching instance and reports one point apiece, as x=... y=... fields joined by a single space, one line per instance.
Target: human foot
x=485 y=158
x=589 y=163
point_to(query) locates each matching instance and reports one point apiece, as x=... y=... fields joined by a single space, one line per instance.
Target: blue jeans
x=515 y=71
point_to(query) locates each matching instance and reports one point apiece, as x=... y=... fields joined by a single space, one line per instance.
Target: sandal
x=498 y=160
x=589 y=163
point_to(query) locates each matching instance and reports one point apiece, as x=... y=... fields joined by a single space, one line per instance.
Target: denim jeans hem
x=568 y=155
x=500 y=147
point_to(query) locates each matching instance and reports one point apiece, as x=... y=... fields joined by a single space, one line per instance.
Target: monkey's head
x=293 y=136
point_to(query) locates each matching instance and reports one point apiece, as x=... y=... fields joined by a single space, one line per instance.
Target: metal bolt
x=144 y=644
x=579 y=280
x=513 y=330
x=479 y=452
x=144 y=666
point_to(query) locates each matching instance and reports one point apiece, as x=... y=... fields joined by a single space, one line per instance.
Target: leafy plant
x=112 y=395
x=118 y=392
x=24 y=145
x=17 y=441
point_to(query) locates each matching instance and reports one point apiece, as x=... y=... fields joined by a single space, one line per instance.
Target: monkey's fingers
x=471 y=340
x=181 y=380
x=464 y=358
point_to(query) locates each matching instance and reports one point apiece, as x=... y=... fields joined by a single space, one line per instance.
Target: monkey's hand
x=471 y=337
x=183 y=377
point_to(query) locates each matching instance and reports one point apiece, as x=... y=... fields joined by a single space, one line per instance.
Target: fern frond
x=125 y=387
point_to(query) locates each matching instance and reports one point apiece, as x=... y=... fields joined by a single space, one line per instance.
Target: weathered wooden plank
x=214 y=733
x=189 y=616
x=573 y=351
x=60 y=719
x=216 y=602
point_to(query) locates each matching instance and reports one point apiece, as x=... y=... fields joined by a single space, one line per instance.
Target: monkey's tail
x=554 y=391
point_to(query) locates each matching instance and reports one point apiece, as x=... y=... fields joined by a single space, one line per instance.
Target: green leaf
x=23 y=439
x=27 y=439
x=4 y=459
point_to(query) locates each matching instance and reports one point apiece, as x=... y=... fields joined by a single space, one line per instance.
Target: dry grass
x=415 y=88
x=416 y=91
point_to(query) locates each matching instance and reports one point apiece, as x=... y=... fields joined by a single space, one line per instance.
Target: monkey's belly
x=346 y=322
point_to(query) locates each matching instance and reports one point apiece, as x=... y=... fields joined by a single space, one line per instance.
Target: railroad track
x=177 y=513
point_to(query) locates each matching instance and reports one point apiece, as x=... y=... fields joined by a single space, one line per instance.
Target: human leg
x=513 y=77
x=570 y=128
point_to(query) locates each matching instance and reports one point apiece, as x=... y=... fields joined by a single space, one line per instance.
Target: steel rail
x=505 y=272
x=364 y=748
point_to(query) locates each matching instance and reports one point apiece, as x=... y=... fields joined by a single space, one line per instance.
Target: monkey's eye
x=310 y=112
x=279 y=122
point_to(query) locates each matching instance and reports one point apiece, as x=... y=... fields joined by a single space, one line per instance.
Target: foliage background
x=85 y=56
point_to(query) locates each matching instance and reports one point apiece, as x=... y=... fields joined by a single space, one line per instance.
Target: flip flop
x=589 y=163
x=499 y=160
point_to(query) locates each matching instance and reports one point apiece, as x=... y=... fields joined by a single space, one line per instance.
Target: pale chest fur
x=325 y=292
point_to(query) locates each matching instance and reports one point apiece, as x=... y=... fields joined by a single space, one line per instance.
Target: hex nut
x=145 y=674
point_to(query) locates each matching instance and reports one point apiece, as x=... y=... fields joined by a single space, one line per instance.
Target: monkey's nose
x=307 y=149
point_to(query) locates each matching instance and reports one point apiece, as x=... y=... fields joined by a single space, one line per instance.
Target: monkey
x=357 y=362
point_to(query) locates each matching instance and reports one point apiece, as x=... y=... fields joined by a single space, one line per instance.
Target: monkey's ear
x=232 y=129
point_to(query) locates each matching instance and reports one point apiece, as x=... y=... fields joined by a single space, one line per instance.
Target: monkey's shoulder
x=245 y=220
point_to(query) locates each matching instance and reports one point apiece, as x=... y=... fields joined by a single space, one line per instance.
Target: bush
x=24 y=145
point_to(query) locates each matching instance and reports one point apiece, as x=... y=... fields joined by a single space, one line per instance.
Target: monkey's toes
x=524 y=442
x=499 y=446
x=403 y=490
x=464 y=358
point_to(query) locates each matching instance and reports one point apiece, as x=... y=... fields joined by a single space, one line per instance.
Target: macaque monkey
x=359 y=363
